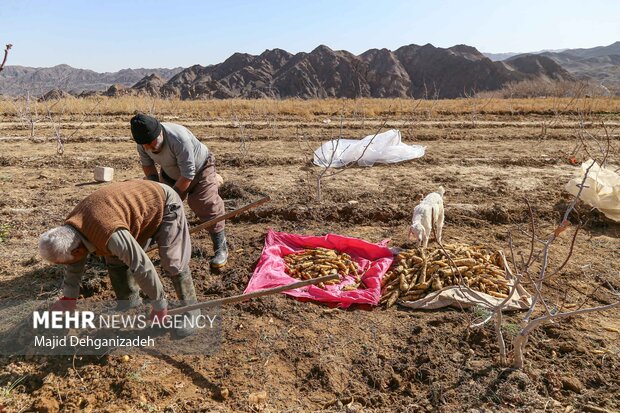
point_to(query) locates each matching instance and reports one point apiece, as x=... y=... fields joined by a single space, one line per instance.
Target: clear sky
x=108 y=35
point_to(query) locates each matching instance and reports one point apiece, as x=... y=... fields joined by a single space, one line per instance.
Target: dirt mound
x=233 y=191
x=585 y=214
x=347 y=213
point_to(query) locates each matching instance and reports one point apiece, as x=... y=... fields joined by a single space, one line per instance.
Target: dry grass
x=311 y=109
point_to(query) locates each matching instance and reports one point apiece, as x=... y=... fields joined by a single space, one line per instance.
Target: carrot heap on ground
x=416 y=273
x=316 y=262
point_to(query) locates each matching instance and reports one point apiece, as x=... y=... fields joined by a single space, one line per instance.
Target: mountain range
x=601 y=64
x=409 y=71
x=496 y=57
x=19 y=80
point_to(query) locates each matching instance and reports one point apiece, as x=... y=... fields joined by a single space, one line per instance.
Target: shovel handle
x=243 y=297
x=212 y=222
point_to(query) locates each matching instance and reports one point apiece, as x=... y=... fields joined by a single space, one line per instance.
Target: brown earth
x=304 y=356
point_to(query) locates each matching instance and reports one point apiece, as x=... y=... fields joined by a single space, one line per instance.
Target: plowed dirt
x=305 y=356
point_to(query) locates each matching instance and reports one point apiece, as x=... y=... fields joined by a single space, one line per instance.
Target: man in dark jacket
x=188 y=166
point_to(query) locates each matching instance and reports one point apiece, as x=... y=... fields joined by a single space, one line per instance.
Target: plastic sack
x=386 y=147
x=601 y=189
x=373 y=259
x=460 y=297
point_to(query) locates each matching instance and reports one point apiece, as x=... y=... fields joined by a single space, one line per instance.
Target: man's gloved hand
x=158 y=315
x=65 y=304
x=152 y=177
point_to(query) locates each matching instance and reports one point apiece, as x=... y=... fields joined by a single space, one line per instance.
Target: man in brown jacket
x=117 y=221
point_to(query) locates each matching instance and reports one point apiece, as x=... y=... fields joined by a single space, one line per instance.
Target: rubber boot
x=221 y=249
x=125 y=287
x=184 y=287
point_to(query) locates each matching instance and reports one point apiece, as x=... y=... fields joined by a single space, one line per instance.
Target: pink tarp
x=373 y=259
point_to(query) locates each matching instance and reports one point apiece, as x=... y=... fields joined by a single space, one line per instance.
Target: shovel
x=243 y=297
x=212 y=222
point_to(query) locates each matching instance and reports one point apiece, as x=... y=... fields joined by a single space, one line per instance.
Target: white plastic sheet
x=601 y=189
x=385 y=147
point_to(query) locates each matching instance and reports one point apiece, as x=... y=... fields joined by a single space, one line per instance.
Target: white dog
x=429 y=209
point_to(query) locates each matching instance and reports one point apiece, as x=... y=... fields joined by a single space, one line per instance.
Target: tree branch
x=6 y=54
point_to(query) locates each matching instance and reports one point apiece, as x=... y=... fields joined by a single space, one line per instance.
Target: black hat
x=144 y=129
